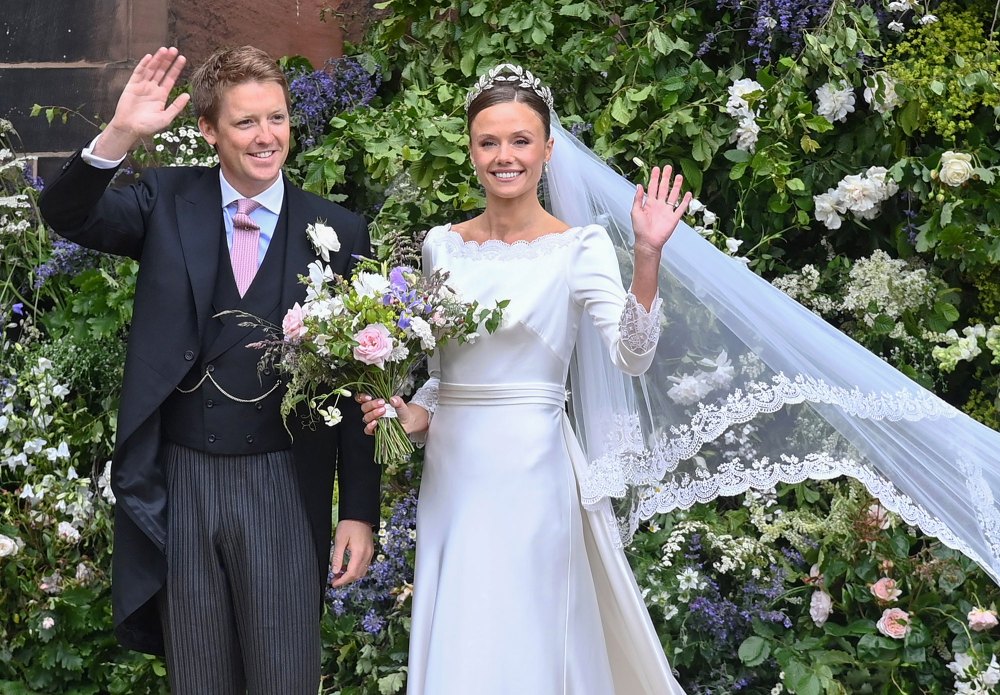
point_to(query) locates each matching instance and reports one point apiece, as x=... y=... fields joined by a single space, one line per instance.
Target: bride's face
x=509 y=149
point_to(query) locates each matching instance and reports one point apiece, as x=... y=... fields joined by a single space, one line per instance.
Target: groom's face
x=251 y=135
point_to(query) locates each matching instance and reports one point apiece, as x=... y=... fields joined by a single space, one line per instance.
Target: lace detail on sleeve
x=640 y=329
x=427 y=395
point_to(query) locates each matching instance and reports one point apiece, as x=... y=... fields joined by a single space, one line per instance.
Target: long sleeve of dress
x=628 y=330
x=427 y=395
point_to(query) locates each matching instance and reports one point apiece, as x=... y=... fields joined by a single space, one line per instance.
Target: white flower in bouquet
x=709 y=218
x=331 y=416
x=733 y=245
x=955 y=168
x=370 y=284
x=835 y=102
x=928 y=19
x=422 y=330
x=896 y=27
x=324 y=239
x=48 y=622
x=319 y=276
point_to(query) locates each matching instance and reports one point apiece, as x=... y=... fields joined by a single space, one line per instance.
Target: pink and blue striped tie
x=246 y=240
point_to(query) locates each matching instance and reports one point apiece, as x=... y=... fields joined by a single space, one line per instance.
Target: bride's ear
x=548 y=148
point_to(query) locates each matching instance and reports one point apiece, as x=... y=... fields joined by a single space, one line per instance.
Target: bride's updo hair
x=501 y=92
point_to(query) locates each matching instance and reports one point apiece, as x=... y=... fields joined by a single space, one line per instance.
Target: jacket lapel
x=199 y=223
x=299 y=251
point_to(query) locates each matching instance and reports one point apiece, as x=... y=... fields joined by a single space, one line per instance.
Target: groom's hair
x=229 y=67
x=503 y=93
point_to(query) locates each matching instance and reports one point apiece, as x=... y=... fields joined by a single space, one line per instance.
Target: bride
x=521 y=585
x=518 y=589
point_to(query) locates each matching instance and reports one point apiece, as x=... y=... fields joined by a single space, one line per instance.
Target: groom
x=223 y=520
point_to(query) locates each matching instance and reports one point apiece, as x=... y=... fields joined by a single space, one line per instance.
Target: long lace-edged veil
x=749 y=389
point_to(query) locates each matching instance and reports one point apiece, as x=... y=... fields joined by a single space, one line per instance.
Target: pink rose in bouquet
x=374 y=345
x=293 y=325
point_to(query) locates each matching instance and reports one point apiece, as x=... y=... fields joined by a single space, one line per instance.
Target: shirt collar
x=270 y=199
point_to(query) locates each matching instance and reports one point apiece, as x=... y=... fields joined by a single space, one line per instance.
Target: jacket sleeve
x=79 y=205
x=358 y=476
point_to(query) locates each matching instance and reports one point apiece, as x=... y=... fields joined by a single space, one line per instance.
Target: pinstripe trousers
x=241 y=603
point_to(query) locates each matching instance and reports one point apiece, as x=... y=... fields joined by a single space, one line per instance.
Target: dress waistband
x=501 y=394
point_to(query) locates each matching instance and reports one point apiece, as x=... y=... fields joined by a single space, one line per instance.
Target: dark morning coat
x=170 y=221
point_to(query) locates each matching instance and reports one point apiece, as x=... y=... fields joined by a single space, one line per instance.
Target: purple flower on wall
x=342 y=84
x=67 y=259
x=375 y=594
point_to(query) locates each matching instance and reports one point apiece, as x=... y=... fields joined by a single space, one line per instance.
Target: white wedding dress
x=519 y=590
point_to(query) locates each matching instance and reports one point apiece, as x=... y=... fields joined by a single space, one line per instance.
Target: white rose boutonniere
x=324 y=239
x=956 y=168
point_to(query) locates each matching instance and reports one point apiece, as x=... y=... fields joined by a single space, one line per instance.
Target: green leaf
x=638 y=95
x=818 y=124
x=692 y=174
x=388 y=685
x=808 y=145
x=754 y=651
x=947 y=311
x=735 y=155
x=576 y=9
x=909 y=116
x=884 y=325
x=937 y=87
x=946 y=211
x=468 y=63
x=622 y=110
x=795 y=185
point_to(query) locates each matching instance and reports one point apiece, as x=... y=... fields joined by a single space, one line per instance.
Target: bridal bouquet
x=367 y=334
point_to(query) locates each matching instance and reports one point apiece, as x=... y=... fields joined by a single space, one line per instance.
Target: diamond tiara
x=508 y=73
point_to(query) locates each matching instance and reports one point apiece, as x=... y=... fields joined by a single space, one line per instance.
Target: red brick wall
x=79 y=54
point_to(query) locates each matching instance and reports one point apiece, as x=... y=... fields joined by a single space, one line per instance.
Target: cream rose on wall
x=955 y=168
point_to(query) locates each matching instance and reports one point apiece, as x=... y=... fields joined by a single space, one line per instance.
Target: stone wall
x=78 y=54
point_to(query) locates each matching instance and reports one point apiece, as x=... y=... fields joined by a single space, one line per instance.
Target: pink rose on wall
x=895 y=623
x=293 y=325
x=885 y=590
x=374 y=345
x=878 y=516
x=981 y=619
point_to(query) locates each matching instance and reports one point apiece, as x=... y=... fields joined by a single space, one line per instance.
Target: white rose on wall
x=8 y=546
x=955 y=168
